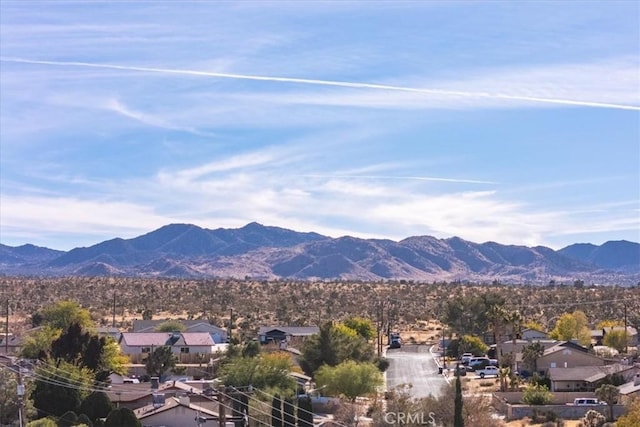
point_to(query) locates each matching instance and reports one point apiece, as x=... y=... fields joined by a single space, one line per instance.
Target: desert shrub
x=536 y=394
x=593 y=418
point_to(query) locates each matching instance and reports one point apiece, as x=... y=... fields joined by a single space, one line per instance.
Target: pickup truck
x=487 y=370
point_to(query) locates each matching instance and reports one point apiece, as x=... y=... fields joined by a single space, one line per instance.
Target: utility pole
x=626 y=337
x=230 y=324
x=20 y=393
x=222 y=411
x=114 y=309
x=379 y=328
x=6 y=331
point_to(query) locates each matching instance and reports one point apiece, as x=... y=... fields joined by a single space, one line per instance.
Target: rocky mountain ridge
x=264 y=252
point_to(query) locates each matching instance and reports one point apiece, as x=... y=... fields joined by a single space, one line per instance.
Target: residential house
x=530 y=334
x=567 y=354
x=108 y=331
x=178 y=412
x=218 y=334
x=136 y=396
x=190 y=347
x=508 y=347
x=630 y=390
x=287 y=335
x=597 y=335
x=12 y=346
x=587 y=378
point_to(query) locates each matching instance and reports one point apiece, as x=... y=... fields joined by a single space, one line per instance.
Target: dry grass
x=521 y=423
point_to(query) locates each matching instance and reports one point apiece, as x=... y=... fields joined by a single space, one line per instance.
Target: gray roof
x=151 y=325
x=294 y=331
x=588 y=374
x=148 y=339
x=564 y=345
x=628 y=388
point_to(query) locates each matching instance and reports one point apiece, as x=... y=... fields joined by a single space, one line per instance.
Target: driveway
x=414 y=364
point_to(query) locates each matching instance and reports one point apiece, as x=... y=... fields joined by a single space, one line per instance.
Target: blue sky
x=516 y=122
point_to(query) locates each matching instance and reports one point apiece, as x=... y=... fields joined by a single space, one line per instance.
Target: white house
x=218 y=334
x=177 y=412
x=189 y=346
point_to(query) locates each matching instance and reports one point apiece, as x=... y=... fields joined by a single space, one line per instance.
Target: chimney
x=636 y=380
x=155 y=383
x=184 y=400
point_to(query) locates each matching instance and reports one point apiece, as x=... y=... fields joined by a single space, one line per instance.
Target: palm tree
x=531 y=354
x=515 y=319
x=498 y=318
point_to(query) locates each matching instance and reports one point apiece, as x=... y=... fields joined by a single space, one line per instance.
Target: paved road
x=413 y=364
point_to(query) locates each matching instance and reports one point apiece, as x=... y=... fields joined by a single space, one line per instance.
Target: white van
x=586 y=401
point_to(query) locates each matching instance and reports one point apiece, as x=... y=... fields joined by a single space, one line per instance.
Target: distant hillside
x=614 y=255
x=258 y=251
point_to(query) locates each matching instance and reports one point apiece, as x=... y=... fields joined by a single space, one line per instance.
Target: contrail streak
x=328 y=83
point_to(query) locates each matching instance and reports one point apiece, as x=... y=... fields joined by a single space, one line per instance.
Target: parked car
x=396 y=341
x=586 y=401
x=461 y=371
x=488 y=370
x=465 y=358
x=479 y=362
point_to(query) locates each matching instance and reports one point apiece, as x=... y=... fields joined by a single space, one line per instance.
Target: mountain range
x=266 y=253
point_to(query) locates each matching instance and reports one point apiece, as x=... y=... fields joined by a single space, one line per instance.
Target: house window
x=184 y=350
x=552 y=365
x=146 y=350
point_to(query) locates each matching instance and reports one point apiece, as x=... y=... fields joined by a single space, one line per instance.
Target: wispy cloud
x=353 y=85
x=412 y=178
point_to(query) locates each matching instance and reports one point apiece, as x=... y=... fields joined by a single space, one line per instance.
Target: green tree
x=63 y=313
x=160 y=362
x=60 y=388
x=270 y=370
x=498 y=319
x=618 y=339
x=68 y=419
x=43 y=422
x=9 y=397
x=458 y=421
x=251 y=349
x=608 y=324
x=572 y=326
x=171 y=326
x=37 y=343
x=530 y=355
x=608 y=393
x=515 y=320
x=147 y=314
x=84 y=420
x=100 y=354
x=536 y=394
x=349 y=379
x=333 y=345
x=96 y=405
x=305 y=412
x=632 y=417
x=364 y=327
x=122 y=417
x=471 y=344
